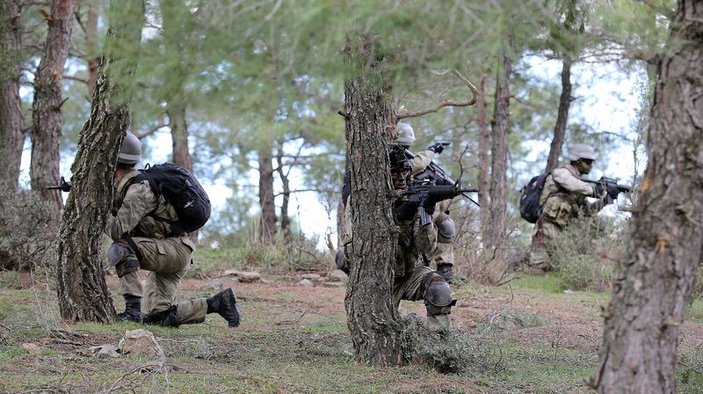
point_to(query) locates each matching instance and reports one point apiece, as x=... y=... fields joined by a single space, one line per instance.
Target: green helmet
x=406 y=135
x=580 y=151
x=130 y=151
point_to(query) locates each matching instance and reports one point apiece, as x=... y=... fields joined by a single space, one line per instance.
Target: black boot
x=133 y=309
x=225 y=303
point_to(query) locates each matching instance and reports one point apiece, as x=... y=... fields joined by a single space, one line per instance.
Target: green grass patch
x=695 y=312
x=548 y=283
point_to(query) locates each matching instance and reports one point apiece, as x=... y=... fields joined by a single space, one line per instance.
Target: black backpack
x=530 y=209
x=181 y=190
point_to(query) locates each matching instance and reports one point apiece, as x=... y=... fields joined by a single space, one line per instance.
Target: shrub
x=28 y=239
x=585 y=254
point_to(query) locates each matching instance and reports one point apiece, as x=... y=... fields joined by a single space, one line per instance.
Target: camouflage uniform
x=167 y=257
x=563 y=199
x=443 y=251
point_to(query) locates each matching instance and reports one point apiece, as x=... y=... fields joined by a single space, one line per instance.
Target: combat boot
x=225 y=304
x=133 y=309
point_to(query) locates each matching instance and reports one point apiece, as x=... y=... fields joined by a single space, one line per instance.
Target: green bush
x=585 y=255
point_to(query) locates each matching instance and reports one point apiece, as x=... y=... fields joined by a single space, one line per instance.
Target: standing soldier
x=563 y=199
x=143 y=238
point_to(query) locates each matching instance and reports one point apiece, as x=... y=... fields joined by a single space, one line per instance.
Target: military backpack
x=180 y=188
x=530 y=208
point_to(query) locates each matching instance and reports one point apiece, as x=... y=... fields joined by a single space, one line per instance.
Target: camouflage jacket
x=137 y=209
x=420 y=162
x=564 y=196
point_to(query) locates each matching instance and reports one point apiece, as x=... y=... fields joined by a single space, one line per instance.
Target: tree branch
x=443 y=103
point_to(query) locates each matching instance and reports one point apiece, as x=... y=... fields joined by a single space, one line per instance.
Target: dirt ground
x=569 y=324
x=572 y=322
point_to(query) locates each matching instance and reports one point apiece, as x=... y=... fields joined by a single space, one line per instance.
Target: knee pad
x=438 y=295
x=445 y=229
x=165 y=318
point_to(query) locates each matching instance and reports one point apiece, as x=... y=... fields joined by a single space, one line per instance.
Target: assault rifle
x=436 y=175
x=424 y=194
x=63 y=186
x=609 y=186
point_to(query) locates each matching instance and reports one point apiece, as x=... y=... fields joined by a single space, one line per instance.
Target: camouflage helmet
x=406 y=135
x=580 y=151
x=130 y=151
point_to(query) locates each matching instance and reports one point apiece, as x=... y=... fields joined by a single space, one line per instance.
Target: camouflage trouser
x=167 y=261
x=543 y=233
x=443 y=252
x=410 y=287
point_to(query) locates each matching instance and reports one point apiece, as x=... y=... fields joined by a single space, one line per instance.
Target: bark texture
x=562 y=116
x=267 y=222
x=497 y=266
x=82 y=292
x=371 y=316
x=11 y=135
x=46 y=107
x=484 y=169
x=644 y=318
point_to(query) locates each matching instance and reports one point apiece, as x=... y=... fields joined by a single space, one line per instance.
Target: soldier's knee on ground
x=165 y=318
x=438 y=295
x=122 y=258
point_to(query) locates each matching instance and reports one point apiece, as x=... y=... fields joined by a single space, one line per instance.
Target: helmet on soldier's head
x=130 y=151
x=580 y=151
x=406 y=135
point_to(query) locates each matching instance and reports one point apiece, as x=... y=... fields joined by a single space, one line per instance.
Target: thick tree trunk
x=82 y=292
x=371 y=315
x=267 y=222
x=11 y=134
x=562 y=116
x=497 y=266
x=46 y=107
x=644 y=318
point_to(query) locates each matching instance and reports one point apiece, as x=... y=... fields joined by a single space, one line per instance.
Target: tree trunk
x=267 y=223
x=11 y=134
x=46 y=107
x=82 y=292
x=285 y=182
x=484 y=170
x=91 y=45
x=645 y=315
x=497 y=266
x=175 y=16
x=562 y=116
x=371 y=315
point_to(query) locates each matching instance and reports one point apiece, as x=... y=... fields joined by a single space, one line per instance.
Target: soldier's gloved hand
x=428 y=205
x=65 y=186
x=405 y=211
x=612 y=190
x=437 y=147
x=599 y=191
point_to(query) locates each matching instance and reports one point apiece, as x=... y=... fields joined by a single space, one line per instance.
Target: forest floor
x=526 y=337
